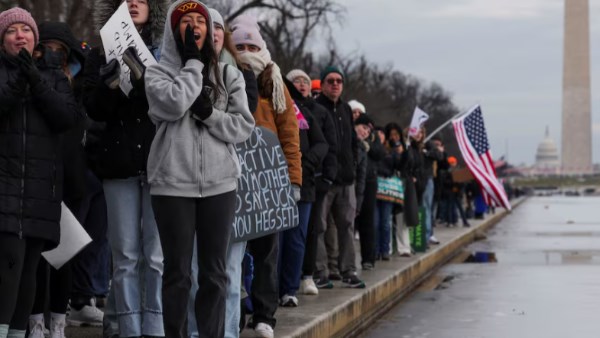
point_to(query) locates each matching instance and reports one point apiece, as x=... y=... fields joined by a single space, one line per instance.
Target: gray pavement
x=542 y=279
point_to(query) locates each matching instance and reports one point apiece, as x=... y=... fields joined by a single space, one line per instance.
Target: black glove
x=137 y=67
x=28 y=68
x=190 y=49
x=110 y=73
x=202 y=108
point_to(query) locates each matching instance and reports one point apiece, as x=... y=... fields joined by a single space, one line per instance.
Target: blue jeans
x=292 y=243
x=428 y=205
x=383 y=221
x=235 y=257
x=137 y=257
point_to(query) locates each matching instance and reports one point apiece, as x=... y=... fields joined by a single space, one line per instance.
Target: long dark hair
x=388 y=131
x=210 y=59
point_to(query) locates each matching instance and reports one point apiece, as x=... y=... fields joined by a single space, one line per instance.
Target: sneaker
x=385 y=257
x=466 y=225
x=57 y=329
x=308 y=287
x=433 y=240
x=88 y=315
x=335 y=276
x=324 y=283
x=263 y=330
x=36 y=328
x=288 y=301
x=367 y=266
x=405 y=254
x=352 y=281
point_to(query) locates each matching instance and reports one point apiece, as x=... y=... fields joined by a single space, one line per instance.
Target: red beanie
x=187 y=7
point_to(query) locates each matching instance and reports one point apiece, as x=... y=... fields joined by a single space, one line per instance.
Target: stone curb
x=353 y=315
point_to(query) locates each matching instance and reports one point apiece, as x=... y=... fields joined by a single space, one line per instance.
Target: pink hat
x=17 y=15
x=246 y=32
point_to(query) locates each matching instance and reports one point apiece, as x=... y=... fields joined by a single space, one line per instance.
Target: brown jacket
x=285 y=126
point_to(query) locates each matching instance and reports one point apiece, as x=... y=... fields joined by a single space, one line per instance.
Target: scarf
x=258 y=62
x=302 y=123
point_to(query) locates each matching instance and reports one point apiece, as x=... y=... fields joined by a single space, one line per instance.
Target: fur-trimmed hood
x=104 y=9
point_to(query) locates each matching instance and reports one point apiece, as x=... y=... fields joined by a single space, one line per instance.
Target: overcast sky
x=503 y=54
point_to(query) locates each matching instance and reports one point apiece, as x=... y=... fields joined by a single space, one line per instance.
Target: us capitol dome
x=547 y=160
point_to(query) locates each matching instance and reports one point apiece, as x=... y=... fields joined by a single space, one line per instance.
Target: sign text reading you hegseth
x=265 y=201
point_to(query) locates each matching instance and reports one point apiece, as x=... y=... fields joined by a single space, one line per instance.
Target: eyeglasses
x=300 y=80
x=334 y=81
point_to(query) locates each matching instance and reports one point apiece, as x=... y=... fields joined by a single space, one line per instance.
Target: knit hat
x=246 y=32
x=452 y=160
x=357 y=105
x=330 y=69
x=17 y=15
x=364 y=119
x=315 y=84
x=187 y=7
x=293 y=74
x=216 y=17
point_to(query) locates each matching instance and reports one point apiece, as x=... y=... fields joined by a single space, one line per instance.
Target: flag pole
x=432 y=134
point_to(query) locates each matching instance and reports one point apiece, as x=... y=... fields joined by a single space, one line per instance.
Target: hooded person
x=200 y=110
x=228 y=55
x=275 y=112
x=134 y=305
x=36 y=106
x=59 y=50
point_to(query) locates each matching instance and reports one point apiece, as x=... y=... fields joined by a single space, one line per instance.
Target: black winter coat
x=124 y=144
x=313 y=146
x=347 y=145
x=31 y=169
x=328 y=170
x=375 y=154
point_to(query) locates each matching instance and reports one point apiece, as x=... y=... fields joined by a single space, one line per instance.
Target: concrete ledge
x=344 y=312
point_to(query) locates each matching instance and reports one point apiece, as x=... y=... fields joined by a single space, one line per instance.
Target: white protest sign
x=73 y=238
x=117 y=35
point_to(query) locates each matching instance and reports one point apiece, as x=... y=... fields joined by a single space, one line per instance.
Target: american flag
x=475 y=148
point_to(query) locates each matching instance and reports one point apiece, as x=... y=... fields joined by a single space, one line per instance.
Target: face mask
x=53 y=59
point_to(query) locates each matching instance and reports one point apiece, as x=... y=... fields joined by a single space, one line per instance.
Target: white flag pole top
x=454 y=118
x=419 y=117
x=118 y=34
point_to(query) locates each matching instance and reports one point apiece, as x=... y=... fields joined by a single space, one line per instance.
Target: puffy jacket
x=31 y=171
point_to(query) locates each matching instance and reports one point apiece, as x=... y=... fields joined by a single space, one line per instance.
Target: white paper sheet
x=73 y=239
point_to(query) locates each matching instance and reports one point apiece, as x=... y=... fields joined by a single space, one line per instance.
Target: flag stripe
x=474 y=146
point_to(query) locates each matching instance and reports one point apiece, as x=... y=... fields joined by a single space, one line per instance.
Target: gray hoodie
x=189 y=159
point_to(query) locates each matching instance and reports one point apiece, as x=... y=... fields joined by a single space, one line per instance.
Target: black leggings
x=178 y=219
x=60 y=288
x=18 y=265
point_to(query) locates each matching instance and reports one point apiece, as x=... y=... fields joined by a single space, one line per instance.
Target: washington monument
x=576 y=113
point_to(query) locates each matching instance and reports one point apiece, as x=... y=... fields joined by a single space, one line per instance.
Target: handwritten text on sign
x=117 y=35
x=265 y=201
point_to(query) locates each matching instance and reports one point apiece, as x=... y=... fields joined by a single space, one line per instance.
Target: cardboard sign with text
x=265 y=200
x=117 y=35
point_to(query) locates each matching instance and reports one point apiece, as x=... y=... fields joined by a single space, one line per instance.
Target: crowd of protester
x=144 y=172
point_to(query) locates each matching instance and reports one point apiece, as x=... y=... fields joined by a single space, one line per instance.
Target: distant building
x=547 y=160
